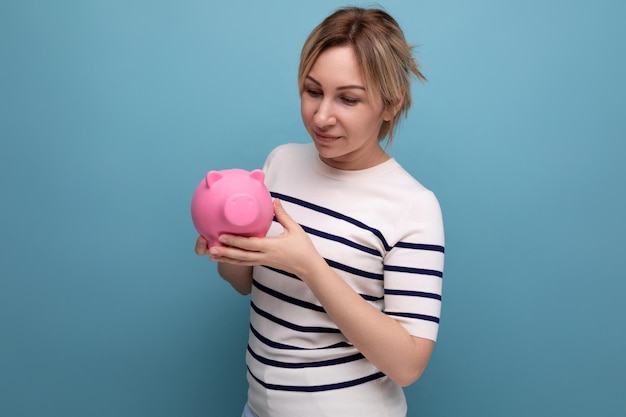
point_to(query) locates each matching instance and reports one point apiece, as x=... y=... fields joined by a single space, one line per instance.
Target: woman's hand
x=202 y=247
x=291 y=251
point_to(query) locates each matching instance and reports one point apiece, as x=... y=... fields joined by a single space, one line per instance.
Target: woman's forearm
x=239 y=276
x=379 y=337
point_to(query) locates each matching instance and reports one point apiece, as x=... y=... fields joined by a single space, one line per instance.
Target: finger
x=239 y=242
x=231 y=254
x=201 y=246
x=234 y=261
x=281 y=215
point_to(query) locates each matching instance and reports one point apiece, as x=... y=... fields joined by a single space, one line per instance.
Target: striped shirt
x=382 y=232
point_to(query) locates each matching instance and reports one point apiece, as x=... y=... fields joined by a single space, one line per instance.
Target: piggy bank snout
x=241 y=209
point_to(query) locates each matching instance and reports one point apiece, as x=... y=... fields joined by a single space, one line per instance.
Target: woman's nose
x=324 y=115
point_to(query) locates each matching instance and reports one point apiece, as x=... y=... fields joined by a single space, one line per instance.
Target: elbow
x=243 y=290
x=239 y=277
x=405 y=377
x=411 y=369
x=243 y=287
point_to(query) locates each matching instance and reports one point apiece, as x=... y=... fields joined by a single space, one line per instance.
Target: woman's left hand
x=291 y=251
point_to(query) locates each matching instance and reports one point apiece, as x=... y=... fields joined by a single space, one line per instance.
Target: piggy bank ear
x=257 y=175
x=212 y=177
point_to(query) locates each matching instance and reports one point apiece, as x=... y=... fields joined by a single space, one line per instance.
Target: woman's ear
x=391 y=112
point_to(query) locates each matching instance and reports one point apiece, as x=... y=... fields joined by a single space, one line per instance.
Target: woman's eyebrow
x=343 y=87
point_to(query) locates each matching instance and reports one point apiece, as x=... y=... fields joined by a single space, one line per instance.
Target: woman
x=346 y=287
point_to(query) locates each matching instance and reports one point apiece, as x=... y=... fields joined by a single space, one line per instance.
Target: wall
x=111 y=112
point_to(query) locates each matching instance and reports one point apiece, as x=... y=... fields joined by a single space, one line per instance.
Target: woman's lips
x=325 y=137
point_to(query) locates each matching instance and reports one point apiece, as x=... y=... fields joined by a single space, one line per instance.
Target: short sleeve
x=413 y=268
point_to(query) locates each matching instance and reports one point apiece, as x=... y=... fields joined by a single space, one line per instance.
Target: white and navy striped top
x=382 y=232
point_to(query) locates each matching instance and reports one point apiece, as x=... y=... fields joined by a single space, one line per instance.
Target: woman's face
x=338 y=114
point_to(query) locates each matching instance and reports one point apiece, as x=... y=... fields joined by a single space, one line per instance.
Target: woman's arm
x=379 y=337
x=238 y=276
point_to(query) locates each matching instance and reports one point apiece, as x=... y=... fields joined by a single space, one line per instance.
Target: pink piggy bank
x=232 y=201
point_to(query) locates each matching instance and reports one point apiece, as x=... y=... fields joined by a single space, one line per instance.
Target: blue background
x=112 y=111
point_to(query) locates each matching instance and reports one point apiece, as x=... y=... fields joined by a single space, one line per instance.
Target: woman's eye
x=313 y=93
x=349 y=101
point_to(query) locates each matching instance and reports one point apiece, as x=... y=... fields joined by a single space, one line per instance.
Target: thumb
x=201 y=246
x=281 y=215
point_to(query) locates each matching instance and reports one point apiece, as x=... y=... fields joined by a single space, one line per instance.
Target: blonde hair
x=384 y=56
